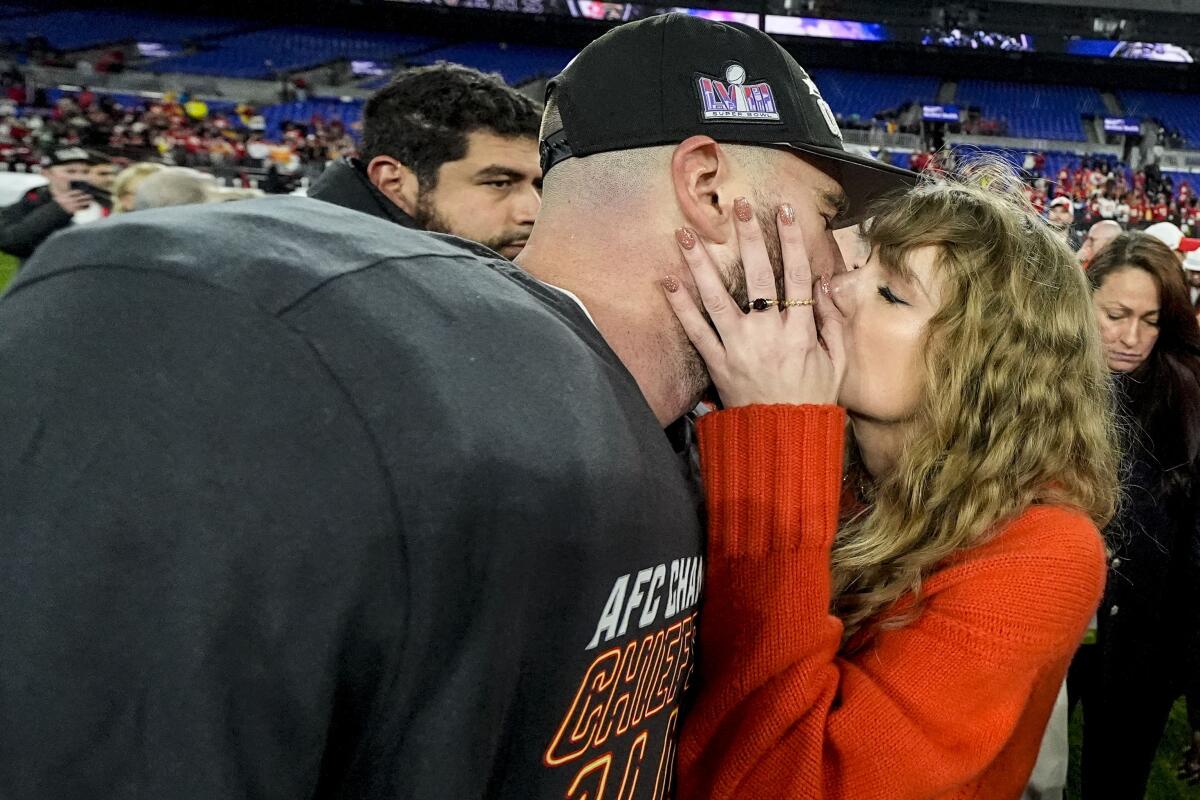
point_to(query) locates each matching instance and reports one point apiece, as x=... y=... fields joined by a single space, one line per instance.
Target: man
x=27 y=223
x=309 y=505
x=1062 y=217
x=1098 y=237
x=102 y=173
x=1169 y=234
x=1191 y=276
x=448 y=149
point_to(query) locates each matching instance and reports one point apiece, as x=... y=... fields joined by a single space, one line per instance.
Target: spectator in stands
x=1098 y=237
x=1169 y=234
x=1191 y=275
x=449 y=149
x=42 y=211
x=126 y=183
x=1149 y=619
x=1061 y=215
x=102 y=173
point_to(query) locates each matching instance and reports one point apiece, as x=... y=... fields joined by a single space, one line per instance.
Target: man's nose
x=526 y=206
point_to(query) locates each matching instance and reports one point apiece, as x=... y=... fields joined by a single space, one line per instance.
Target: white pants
x=1049 y=778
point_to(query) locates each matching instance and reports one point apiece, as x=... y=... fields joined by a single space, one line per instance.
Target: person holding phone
x=63 y=200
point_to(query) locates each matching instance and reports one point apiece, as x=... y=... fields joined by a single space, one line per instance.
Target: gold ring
x=794 y=303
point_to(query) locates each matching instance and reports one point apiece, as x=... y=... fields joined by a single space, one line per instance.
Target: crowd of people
x=175 y=128
x=689 y=464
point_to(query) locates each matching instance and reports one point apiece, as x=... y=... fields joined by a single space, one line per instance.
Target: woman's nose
x=844 y=287
x=1129 y=333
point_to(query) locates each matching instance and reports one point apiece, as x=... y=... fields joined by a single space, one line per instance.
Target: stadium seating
x=1034 y=111
x=517 y=64
x=864 y=94
x=73 y=30
x=303 y=112
x=262 y=54
x=1178 y=111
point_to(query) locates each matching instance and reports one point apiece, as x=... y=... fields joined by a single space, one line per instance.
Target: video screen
x=741 y=17
x=589 y=9
x=826 y=28
x=156 y=50
x=1139 y=51
x=1123 y=125
x=933 y=113
x=965 y=39
x=369 y=68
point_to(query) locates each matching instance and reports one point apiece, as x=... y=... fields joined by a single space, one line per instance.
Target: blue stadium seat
x=302 y=112
x=1034 y=111
x=865 y=94
x=517 y=64
x=74 y=30
x=1178 y=111
x=262 y=54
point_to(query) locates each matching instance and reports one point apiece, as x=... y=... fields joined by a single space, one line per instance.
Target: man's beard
x=428 y=219
x=733 y=275
x=733 y=272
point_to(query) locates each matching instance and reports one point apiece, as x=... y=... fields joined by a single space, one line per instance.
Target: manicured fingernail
x=787 y=214
x=670 y=284
x=741 y=209
x=685 y=237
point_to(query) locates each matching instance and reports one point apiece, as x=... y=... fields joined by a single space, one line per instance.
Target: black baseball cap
x=659 y=80
x=67 y=155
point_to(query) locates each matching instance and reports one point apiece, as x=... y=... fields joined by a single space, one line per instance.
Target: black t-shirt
x=298 y=503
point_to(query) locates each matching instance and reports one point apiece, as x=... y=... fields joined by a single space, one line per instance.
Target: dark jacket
x=28 y=222
x=345 y=183
x=299 y=503
x=1147 y=620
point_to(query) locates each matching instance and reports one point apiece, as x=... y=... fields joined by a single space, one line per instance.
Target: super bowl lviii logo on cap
x=736 y=99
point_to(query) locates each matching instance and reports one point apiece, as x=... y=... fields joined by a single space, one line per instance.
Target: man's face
x=60 y=177
x=102 y=175
x=1061 y=215
x=1192 y=277
x=1099 y=237
x=491 y=196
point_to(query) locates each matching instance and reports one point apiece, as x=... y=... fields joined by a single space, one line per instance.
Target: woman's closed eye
x=890 y=296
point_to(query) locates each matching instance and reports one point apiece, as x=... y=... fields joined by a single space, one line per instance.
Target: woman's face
x=1127 y=306
x=885 y=322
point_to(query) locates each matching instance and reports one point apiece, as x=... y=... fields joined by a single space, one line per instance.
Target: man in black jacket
x=28 y=222
x=448 y=149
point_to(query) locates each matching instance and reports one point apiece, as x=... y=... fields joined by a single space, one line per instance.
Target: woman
x=1148 y=621
x=902 y=631
x=125 y=185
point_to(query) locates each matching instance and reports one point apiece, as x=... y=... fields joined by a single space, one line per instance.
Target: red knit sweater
x=951 y=706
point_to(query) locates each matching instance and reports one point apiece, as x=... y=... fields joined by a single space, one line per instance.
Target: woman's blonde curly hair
x=1016 y=408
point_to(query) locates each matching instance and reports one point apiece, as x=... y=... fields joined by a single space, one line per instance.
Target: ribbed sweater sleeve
x=927 y=708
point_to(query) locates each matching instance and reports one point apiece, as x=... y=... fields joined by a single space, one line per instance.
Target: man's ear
x=396 y=181
x=701 y=173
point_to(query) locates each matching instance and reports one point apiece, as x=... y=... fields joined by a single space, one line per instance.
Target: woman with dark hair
x=1148 y=625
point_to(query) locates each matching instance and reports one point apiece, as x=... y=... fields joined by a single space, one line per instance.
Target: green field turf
x=1163 y=783
x=8 y=268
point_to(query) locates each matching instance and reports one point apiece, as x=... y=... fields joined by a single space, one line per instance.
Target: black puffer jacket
x=28 y=222
x=345 y=183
